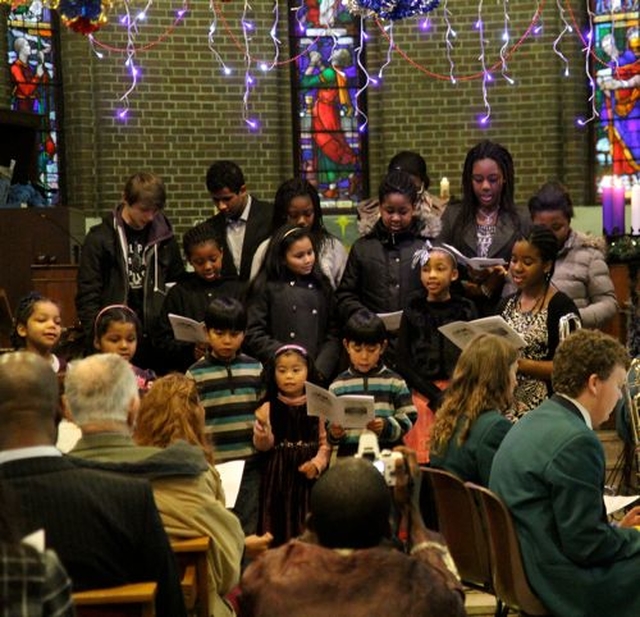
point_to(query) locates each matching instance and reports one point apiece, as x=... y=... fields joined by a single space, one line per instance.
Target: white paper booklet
x=231 y=477
x=460 y=333
x=477 y=263
x=187 y=330
x=353 y=411
x=391 y=320
x=613 y=503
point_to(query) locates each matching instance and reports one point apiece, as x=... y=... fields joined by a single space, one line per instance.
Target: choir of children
x=288 y=321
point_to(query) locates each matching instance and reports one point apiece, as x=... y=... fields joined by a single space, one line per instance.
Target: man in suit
x=242 y=221
x=105 y=528
x=549 y=471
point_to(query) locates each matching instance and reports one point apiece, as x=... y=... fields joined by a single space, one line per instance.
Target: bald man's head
x=350 y=506
x=29 y=400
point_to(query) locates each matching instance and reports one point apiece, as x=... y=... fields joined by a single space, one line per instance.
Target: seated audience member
x=33 y=583
x=297 y=203
x=104 y=527
x=102 y=395
x=365 y=339
x=549 y=471
x=242 y=221
x=348 y=566
x=470 y=424
x=581 y=271
x=173 y=412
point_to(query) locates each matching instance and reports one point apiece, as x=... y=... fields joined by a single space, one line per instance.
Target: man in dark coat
x=105 y=528
x=242 y=223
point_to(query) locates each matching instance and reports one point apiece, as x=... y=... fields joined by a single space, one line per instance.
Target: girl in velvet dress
x=295 y=442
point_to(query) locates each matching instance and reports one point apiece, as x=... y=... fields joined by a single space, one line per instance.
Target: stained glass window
x=617 y=71
x=330 y=150
x=34 y=76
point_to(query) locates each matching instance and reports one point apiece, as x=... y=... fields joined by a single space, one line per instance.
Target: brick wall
x=185 y=114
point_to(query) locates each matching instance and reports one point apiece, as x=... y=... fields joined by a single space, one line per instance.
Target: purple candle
x=607 y=206
x=618 y=209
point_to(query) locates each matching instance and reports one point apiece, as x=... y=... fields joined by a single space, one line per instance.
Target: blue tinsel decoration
x=87 y=9
x=392 y=10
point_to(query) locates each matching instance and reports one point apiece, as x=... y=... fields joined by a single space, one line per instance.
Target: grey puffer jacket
x=582 y=273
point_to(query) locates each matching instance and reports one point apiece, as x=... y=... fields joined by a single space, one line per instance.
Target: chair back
x=462 y=527
x=191 y=556
x=509 y=579
x=6 y=321
x=135 y=600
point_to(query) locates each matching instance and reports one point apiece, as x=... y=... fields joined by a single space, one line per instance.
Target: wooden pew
x=135 y=600
x=191 y=556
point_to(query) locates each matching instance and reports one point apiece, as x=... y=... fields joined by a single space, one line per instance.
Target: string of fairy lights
x=87 y=16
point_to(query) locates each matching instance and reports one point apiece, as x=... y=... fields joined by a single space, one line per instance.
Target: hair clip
x=422 y=256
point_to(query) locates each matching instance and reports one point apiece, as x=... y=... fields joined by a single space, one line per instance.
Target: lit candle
x=635 y=209
x=607 y=206
x=444 y=188
x=618 y=207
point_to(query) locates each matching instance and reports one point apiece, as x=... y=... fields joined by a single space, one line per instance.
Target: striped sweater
x=392 y=402
x=229 y=392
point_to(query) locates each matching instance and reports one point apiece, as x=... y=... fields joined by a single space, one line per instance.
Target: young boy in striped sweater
x=230 y=387
x=365 y=339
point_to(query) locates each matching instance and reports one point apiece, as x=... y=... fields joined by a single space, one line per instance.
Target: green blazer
x=472 y=459
x=549 y=470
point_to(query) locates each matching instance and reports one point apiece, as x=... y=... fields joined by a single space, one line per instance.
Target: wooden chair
x=461 y=524
x=509 y=579
x=191 y=556
x=135 y=600
x=6 y=320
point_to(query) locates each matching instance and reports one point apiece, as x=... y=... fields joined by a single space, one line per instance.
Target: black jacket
x=379 y=275
x=103 y=277
x=188 y=298
x=298 y=310
x=425 y=355
x=257 y=230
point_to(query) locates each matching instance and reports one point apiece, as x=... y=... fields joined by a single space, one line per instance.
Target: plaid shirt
x=32 y=583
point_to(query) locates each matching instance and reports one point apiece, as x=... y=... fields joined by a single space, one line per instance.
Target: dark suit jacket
x=104 y=527
x=257 y=230
x=549 y=470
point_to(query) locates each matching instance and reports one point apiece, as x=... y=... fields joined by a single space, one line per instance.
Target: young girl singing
x=37 y=328
x=536 y=311
x=291 y=301
x=117 y=330
x=296 y=443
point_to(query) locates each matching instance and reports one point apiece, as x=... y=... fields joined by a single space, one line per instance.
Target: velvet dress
x=284 y=494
